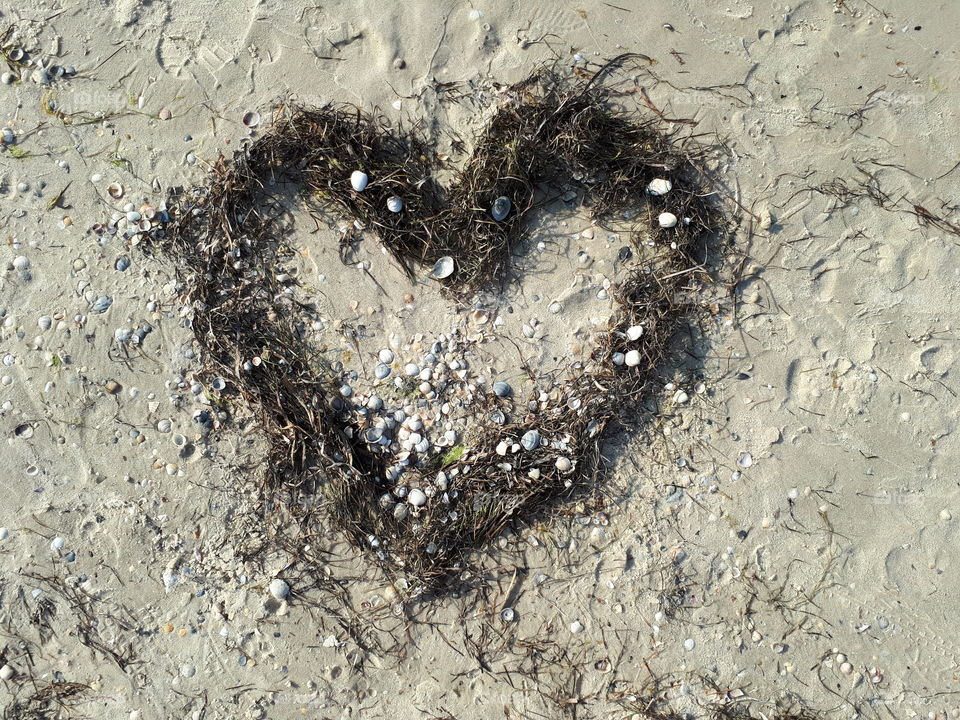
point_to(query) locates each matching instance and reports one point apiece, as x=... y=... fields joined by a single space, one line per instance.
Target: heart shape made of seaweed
x=546 y=131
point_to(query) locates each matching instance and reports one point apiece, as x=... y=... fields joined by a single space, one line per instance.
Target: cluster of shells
x=132 y=221
x=431 y=398
x=41 y=71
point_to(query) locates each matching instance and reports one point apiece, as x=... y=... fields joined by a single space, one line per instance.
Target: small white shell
x=394 y=204
x=115 y=190
x=359 y=180
x=251 y=118
x=417 y=497
x=667 y=220
x=279 y=588
x=634 y=332
x=442 y=268
x=632 y=358
x=659 y=186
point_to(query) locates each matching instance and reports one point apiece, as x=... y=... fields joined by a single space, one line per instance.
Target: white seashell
x=501 y=208
x=417 y=498
x=359 y=181
x=251 y=118
x=659 y=186
x=6 y=672
x=115 y=190
x=279 y=588
x=57 y=544
x=7 y=78
x=745 y=460
x=411 y=369
x=563 y=464
x=45 y=322
x=634 y=332
x=394 y=204
x=667 y=220
x=164 y=426
x=632 y=358
x=442 y=268
x=21 y=263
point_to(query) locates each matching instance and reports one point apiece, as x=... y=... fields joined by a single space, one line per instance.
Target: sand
x=822 y=573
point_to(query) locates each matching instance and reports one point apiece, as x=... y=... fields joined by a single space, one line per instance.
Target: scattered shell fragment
x=251 y=118
x=442 y=268
x=165 y=114
x=359 y=181
x=745 y=460
x=115 y=190
x=667 y=220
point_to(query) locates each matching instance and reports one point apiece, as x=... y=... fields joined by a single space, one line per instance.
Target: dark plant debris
x=548 y=133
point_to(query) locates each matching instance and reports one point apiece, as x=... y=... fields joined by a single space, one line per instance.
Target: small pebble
x=667 y=220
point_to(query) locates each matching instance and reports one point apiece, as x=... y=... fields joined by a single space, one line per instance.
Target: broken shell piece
x=115 y=190
x=659 y=186
x=501 y=208
x=667 y=220
x=442 y=268
x=359 y=180
x=251 y=118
